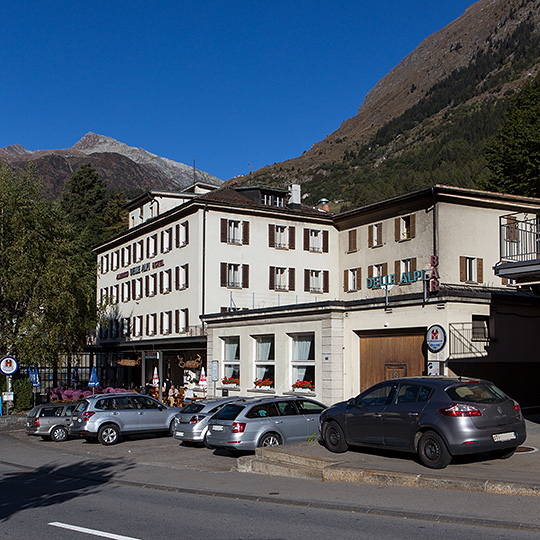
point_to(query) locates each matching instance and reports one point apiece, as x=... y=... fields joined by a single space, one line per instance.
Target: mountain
x=121 y=166
x=428 y=120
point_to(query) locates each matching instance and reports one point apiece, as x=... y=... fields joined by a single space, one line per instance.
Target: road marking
x=92 y=531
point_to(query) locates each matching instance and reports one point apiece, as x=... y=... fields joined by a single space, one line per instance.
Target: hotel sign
x=140 y=268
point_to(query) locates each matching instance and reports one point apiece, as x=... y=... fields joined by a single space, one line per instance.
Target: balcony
x=519 y=236
x=468 y=340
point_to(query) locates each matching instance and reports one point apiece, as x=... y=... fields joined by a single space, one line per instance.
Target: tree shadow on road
x=50 y=485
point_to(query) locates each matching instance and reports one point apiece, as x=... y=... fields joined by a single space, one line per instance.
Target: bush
x=22 y=389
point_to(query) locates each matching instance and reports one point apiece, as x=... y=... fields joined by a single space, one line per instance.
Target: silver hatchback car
x=191 y=423
x=50 y=421
x=252 y=422
x=107 y=417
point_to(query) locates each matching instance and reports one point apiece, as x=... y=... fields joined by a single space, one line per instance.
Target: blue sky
x=228 y=84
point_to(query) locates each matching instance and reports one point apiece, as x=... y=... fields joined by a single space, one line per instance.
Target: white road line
x=92 y=531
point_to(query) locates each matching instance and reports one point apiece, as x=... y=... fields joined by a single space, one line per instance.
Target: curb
x=274 y=462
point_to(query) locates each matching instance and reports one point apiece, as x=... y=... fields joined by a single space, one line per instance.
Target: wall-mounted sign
x=435 y=338
x=8 y=365
x=396 y=279
x=129 y=362
x=140 y=268
x=434 y=275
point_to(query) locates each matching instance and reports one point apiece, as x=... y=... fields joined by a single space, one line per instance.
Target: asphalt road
x=153 y=488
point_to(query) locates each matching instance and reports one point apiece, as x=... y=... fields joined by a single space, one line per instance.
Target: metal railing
x=519 y=237
x=467 y=340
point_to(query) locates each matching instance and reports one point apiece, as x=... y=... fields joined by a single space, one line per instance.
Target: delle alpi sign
x=432 y=276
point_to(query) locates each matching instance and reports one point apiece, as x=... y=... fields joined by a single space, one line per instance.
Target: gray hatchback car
x=252 y=422
x=107 y=417
x=436 y=417
x=50 y=421
x=191 y=423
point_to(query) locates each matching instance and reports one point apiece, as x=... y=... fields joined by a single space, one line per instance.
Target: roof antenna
x=194 y=173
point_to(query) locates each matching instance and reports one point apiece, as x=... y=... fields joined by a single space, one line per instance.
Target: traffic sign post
x=8 y=366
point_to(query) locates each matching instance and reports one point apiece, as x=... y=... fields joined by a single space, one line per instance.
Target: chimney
x=295 y=199
x=322 y=206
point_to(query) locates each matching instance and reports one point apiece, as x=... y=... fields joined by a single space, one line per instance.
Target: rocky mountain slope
x=462 y=74
x=123 y=167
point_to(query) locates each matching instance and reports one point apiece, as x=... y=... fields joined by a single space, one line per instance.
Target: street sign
x=7 y=396
x=8 y=365
x=435 y=338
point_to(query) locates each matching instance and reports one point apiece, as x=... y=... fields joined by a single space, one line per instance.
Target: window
x=137 y=288
x=281 y=237
x=303 y=358
x=405 y=228
x=352 y=243
x=114 y=294
x=234 y=232
x=151 y=324
x=471 y=269
x=126 y=256
x=125 y=327
x=316 y=281
x=126 y=291
x=165 y=281
x=104 y=264
x=165 y=322
x=138 y=325
x=282 y=279
x=166 y=240
x=404 y=269
x=182 y=277
x=316 y=240
x=151 y=285
x=231 y=357
x=511 y=229
x=234 y=276
x=182 y=234
x=375 y=232
x=181 y=320
x=352 y=280
x=480 y=328
x=378 y=397
x=264 y=360
x=151 y=245
x=138 y=251
x=115 y=263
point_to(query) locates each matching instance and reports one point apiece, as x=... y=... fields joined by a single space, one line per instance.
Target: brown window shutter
x=358 y=279
x=147 y=285
x=187 y=317
x=148 y=245
x=306 y=239
x=223 y=230
x=161 y=241
x=177 y=235
x=272 y=278
x=325 y=241
x=352 y=240
x=161 y=282
x=187 y=232
x=397 y=229
x=345 y=281
x=133 y=288
x=177 y=320
x=413 y=225
x=385 y=269
x=462 y=269
x=147 y=323
x=370 y=271
x=397 y=270
x=480 y=270
x=306 y=280
x=292 y=238
x=292 y=276
x=177 y=277
x=370 y=236
x=245 y=276
x=161 y=323
x=186 y=272
x=326 y=281
x=413 y=264
x=245 y=233
x=271 y=235
x=223 y=275
x=379 y=234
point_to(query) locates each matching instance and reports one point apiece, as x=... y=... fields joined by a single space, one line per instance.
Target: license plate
x=179 y=433
x=502 y=437
x=217 y=428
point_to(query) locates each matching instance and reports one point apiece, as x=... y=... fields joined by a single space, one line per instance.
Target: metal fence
x=468 y=340
x=519 y=237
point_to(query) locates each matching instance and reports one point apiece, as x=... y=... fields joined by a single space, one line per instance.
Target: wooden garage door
x=386 y=356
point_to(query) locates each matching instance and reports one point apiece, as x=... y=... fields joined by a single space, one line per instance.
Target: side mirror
x=160 y=407
x=351 y=402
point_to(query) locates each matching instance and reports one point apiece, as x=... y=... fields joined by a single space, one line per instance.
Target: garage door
x=390 y=355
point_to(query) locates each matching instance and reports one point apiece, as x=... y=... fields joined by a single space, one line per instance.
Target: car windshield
x=229 y=412
x=476 y=392
x=192 y=408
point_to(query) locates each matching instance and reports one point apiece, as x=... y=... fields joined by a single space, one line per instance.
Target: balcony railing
x=519 y=237
x=468 y=340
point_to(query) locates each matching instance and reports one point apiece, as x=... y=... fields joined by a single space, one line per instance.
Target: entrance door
x=388 y=355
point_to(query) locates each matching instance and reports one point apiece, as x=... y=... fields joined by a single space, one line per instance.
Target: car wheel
x=59 y=434
x=505 y=453
x=171 y=428
x=108 y=434
x=432 y=451
x=270 y=439
x=334 y=438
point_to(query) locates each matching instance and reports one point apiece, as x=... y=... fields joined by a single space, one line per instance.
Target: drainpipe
x=203 y=299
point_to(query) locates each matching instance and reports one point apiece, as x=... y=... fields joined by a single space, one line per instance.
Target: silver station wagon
x=435 y=417
x=50 y=421
x=252 y=422
x=108 y=417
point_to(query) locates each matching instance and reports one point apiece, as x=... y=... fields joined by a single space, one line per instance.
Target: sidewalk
x=519 y=475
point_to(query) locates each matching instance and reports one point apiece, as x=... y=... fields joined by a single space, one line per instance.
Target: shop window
x=231 y=357
x=264 y=361
x=303 y=358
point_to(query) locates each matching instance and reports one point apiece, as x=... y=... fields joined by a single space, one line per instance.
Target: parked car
x=50 y=421
x=251 y=422
x=107 y=417
x=435 y=417
x=191 y=423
